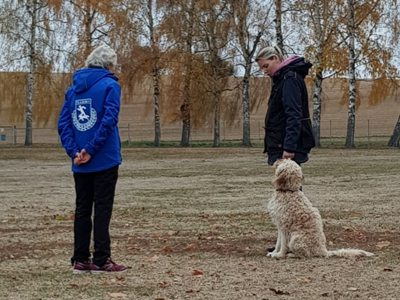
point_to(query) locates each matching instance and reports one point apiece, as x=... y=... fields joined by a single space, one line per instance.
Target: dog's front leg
x=277 y=245
x=281 y=248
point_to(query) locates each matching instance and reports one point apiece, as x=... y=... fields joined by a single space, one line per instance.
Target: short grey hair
x=101 y=57
x=269 y=52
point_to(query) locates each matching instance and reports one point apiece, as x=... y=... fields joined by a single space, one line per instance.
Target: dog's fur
x=300 y=230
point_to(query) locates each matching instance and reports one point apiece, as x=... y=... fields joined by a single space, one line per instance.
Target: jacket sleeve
x=64 y=126
x=109 y=120
x=292 y=103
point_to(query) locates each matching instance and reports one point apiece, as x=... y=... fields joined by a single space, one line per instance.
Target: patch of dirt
x=191 y=223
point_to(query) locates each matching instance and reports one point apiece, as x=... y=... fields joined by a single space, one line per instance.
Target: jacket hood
x=296 y=64
x=84 y=79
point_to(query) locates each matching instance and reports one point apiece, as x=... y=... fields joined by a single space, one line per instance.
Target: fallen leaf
x=383 y=244
x=117 y=295
x=151 y=259
x=387 y=270
x=279 y=292
x=325 y=294
x=352 y=289
x=155 y=235
x=190 y=246
x=303 y=280
x=162 y=284
x=167 y=249
x=354 y=213
x=197 y=272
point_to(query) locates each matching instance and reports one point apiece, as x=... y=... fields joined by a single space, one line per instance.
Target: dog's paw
x=277 y=255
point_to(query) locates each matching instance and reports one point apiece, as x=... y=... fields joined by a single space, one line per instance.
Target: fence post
x=330 y=133
x=368 y=132
x=129 y=134
x=14 y=137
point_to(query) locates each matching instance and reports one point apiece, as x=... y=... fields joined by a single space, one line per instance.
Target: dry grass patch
x=192 y=224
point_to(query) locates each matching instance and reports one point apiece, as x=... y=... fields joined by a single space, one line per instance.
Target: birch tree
x=144 y=55
x=325 y=52
x=251 y=24
x=214 y=22
x=155 y=68
x=366 y=37
x=278 y=24
x=181 y=29
x=30 y=34
x=94 y=23
x=351 y=31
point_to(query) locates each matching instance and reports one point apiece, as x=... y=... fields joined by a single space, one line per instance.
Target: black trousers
x=94 y=189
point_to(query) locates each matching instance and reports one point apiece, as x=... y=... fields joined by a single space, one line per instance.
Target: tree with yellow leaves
x=251 y=26
x=31 y=37
x=365 y=33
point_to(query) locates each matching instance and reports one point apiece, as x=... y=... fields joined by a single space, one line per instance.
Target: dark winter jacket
x=89 y=117
x=287 y=123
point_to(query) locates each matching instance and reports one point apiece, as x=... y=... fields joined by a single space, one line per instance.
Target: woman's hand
x=287 y=155
x=81 y=157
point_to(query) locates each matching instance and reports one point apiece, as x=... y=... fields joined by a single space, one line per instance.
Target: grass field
x=192 y=224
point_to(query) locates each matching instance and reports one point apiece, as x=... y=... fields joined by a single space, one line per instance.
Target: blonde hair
x=268 y=52
x=101 y=57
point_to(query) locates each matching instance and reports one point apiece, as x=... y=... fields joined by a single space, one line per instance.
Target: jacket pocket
x=306 y=134
x=273 y=140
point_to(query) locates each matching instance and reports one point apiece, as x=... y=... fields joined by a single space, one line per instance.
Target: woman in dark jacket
x=288 y=130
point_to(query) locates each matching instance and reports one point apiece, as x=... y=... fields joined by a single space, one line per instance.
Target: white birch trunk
x=31 y=74
x=278 y=24
x=352 y=77
x=217 y=122
x=317 y=108
x=185 y=107
x=246 y=141
x=317 y=23
x=156 y=85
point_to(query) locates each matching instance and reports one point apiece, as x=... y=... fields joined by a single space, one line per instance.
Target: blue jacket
x=287 y=123
x=88 y=119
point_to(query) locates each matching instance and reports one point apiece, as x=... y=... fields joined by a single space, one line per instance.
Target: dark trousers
x=94 y=189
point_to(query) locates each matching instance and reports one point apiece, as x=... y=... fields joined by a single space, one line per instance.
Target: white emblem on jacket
x=84 y=116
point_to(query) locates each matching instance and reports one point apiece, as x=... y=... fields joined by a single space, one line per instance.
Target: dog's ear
x=280 y=181
x=277 y=163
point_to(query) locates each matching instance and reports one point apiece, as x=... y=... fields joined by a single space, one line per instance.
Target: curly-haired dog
x=300 y=230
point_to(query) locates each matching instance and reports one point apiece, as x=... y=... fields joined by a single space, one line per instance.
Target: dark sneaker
x=82 y=267
x=108 y=267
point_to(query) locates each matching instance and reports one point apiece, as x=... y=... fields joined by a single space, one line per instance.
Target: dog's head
x=288 y=175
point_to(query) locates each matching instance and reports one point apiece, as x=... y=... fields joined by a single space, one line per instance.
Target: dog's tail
x=349 y=253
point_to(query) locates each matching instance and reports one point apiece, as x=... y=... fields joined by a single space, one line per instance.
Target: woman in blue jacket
x=288 y=129
x=88 y=130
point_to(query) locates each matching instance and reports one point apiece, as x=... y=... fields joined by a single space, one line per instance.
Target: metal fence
x=366 y=130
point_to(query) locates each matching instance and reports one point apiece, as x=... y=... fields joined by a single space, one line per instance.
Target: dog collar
x=284 y=191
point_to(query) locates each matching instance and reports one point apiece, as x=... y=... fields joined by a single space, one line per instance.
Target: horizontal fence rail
x=331 y=131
